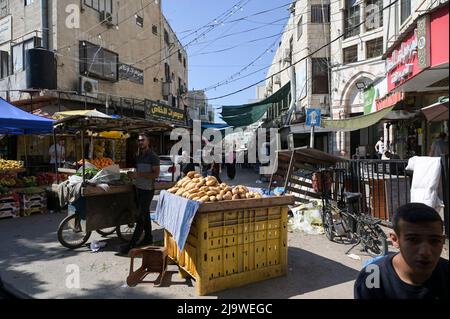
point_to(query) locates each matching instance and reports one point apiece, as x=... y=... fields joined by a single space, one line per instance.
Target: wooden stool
x=154 y=260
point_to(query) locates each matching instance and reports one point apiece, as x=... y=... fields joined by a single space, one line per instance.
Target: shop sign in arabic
x=165 y=113
x=130 y=73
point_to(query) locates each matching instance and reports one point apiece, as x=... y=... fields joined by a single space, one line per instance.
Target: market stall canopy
x=105 y=125
x=247 y=114
x=87 y=113
x=15 y=121
x=357 y=122
x=438 y=111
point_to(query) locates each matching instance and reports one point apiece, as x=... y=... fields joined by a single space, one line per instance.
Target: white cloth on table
x=175 y=214
x=426 y=179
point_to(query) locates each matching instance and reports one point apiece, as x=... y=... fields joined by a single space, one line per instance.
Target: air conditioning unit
x=106 y=18
x=287 y=56
x=278 y=79
x=88 y=87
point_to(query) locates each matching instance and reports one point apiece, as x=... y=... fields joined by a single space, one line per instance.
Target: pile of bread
x=207 y=189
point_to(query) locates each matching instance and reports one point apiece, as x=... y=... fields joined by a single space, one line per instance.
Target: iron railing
x=384 y=185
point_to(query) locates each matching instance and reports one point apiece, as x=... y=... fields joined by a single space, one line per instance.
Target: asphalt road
x=33 y=262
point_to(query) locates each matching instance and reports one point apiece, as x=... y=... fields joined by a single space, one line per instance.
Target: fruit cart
x=96 y=209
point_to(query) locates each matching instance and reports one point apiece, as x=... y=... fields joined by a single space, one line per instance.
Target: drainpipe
x=44 y=24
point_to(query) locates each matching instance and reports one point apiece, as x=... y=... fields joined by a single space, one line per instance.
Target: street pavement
x=34 y=262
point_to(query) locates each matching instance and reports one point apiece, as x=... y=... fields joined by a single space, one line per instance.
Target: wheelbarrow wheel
x=71 y=234
x=106 y=231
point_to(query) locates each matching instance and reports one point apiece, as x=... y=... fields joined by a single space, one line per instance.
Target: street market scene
x=237 y=150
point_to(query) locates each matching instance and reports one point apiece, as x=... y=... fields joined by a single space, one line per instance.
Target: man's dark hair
x=146 y=134
x=415 y=213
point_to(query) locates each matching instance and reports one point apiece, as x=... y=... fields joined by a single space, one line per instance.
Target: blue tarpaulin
x=217 y=126
x=15 y=121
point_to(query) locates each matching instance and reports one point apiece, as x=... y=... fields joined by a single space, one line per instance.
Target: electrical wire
x=307 y=56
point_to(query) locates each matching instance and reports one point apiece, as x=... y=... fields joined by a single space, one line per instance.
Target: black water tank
x=40 y=69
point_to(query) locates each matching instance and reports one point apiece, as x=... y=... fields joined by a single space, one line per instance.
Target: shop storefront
x=172 y=116
x=417 y=68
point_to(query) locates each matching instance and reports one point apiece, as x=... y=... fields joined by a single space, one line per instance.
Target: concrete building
x=307 y=30
x=199 y=107
x=356 y=63
x=122 y=55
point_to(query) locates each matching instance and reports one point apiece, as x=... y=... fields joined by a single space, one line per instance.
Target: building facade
x=307 y=31
x=199 y=109
x=356 y=59
x=123 y=52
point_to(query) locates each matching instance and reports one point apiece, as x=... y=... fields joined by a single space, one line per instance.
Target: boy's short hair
x=415 y=213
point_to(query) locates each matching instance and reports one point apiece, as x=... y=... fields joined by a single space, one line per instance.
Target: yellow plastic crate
x=227 y=249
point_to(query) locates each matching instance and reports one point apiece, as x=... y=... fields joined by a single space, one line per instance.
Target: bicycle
x=340 y=220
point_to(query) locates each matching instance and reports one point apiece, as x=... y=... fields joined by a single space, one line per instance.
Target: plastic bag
x=73 y=179
x=106 y=175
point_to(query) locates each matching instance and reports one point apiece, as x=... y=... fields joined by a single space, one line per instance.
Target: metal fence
x=384 y=185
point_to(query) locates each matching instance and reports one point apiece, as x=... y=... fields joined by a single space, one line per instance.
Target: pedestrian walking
x=380 y=147
x=439 y=146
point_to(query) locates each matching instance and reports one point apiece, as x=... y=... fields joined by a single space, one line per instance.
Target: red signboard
x=426 y=46
x=402 y=64
x=389 y=100
x=439 y=36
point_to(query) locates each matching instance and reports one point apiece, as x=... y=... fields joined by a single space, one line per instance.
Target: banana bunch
x=7 y=164
x=201 y=189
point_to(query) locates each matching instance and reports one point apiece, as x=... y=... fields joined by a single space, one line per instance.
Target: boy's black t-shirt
x=392 y=287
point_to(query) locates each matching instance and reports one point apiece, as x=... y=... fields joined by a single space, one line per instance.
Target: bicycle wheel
x=374 y=240
x=107 y=231
x=71 y=234
x=327 y=220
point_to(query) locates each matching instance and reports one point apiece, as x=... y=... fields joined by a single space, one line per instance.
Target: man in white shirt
x=380 y=147
x=57 y=153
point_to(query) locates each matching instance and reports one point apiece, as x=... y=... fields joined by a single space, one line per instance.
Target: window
x=184 y=62
x=351 y=19
x=166 y=37
x=98 y=62
x=374 y=48
x=28 y=2
x=17 y=58
x=4 y=8
x=320 y=14
x=350 y=54
x=180 y=57
x=140 y=21
x=299 y=28
x=19 y=53
x=180 y=86
x=405 y=10
x=155 y=30
x=100 y=5
x=374 y=14
x=167 y=72
x=4 y=64
x=320 y=75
